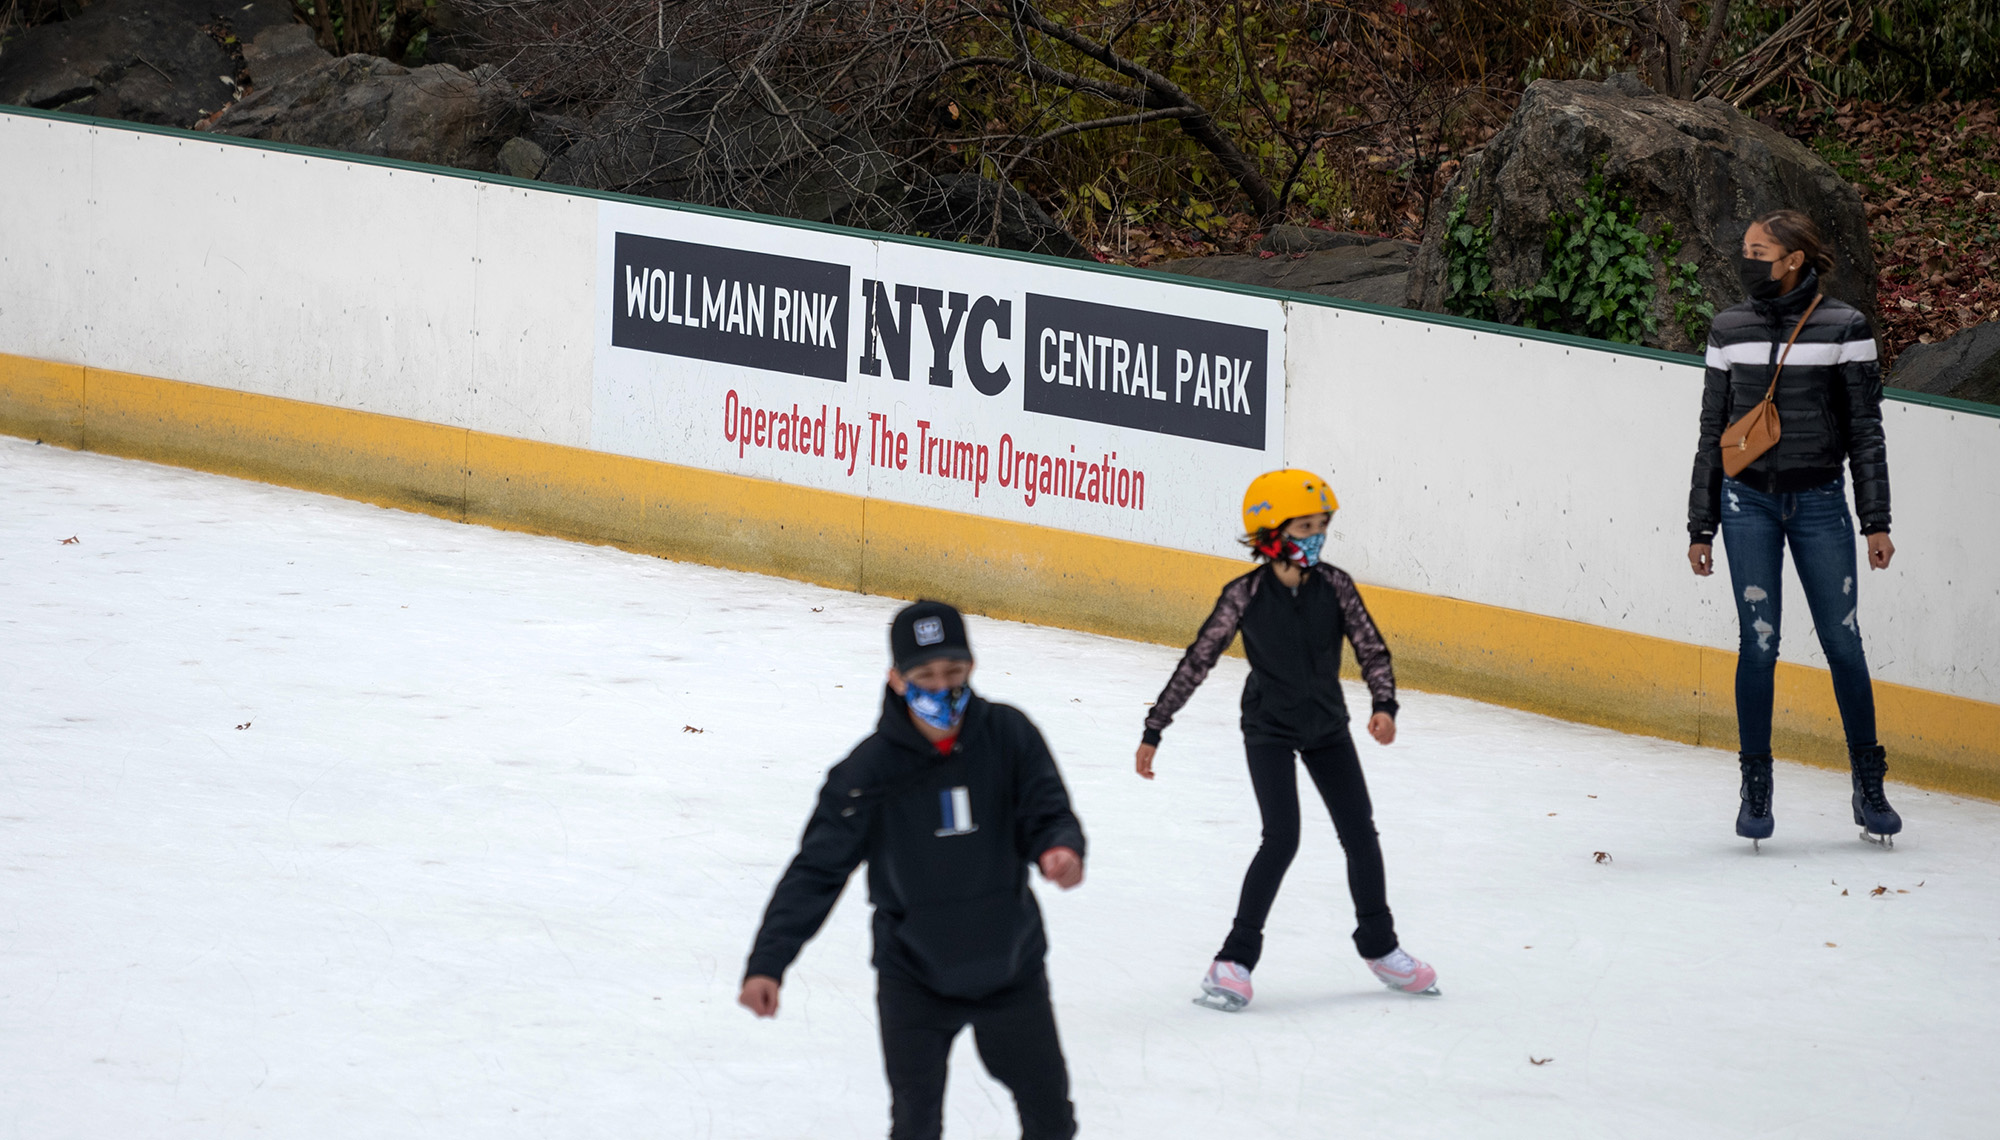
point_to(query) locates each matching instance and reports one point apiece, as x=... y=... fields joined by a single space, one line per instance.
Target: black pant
x=1015 y=1031
x=1336 y=771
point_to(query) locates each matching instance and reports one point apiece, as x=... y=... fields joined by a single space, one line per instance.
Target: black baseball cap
x=927 y=631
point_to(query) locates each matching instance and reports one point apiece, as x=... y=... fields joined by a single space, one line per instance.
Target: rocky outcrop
x=1703 y=167
x=522 y=158
x=278 y=53
x=1965 y=366
x=367 y=105
x=146 y=61
x=1353 y=267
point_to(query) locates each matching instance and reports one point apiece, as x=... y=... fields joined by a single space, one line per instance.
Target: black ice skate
x=1753 y=818
x=1879 y=822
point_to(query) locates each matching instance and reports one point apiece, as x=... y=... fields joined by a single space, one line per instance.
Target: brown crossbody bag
x=1757 y=432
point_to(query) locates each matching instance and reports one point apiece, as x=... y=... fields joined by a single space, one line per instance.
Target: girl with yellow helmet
x=1293 y=611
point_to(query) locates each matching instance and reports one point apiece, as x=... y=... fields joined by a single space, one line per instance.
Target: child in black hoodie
x=949 y=801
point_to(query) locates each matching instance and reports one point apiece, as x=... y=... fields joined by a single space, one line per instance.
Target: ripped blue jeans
x=1755 y=528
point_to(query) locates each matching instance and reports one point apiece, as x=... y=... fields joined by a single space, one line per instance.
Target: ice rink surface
x=323 y=820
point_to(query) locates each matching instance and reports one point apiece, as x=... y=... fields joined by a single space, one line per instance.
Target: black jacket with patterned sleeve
x=1293 y=641
x=1829 y=405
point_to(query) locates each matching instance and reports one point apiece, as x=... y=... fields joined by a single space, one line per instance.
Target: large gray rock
x=1374 y=270
x=1965 y=365
x=278 y=53
x=367 y=105
x=1704 y=167
x=146 y=61
x=521 y=158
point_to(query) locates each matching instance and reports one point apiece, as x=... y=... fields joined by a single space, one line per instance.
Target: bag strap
x=1796 y=330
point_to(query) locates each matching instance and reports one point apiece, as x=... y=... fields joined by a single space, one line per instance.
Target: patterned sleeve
x=1370 y=652
x=1216 y=634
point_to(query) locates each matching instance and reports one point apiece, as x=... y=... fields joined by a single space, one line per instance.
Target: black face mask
x=1757 y=280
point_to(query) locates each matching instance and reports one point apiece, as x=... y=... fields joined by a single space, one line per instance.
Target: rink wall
x=452 y=343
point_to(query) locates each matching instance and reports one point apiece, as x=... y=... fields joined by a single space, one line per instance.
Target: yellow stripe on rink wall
x=1567 y=669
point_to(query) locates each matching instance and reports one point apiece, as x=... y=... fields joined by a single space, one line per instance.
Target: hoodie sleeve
x=833 y=845
x=1216 y=634
x=1705 y=487
x=1042 y=815
x=1860 y=392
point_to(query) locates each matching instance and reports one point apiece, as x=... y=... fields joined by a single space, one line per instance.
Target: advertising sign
x=1125 y=407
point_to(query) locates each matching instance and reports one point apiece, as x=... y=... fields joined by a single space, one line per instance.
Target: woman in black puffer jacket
x=1829 y=401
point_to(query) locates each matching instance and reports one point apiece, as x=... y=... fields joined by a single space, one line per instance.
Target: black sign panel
x=731 y=306
x=1139 y=369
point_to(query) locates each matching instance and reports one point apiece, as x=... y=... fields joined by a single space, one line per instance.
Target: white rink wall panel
x=1934 y=615
x=534 y=287
x=313 y=279
x=1554 y=479
x=46 y=209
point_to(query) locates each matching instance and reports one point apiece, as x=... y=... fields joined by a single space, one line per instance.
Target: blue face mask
x=940 y=708
x=1309 y=547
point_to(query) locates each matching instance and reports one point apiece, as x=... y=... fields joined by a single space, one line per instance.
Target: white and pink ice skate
x=1226 y=987
x=1399 y=971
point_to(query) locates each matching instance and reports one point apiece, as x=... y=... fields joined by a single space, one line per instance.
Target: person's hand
x=1701 y=557
x=1880 y=550
x=760 y=995
x=1060 y=866
x=1382 y=727
x=1144 y=760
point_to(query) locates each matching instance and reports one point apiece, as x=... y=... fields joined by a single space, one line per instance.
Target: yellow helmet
x=1277 y=496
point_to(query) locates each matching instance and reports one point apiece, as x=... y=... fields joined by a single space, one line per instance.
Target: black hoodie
x=948 y=840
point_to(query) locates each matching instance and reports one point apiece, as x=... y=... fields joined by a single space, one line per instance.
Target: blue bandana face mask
x=1309 y=547
x=940 y=708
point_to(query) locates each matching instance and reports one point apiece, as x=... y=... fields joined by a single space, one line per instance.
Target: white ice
x=323 y=820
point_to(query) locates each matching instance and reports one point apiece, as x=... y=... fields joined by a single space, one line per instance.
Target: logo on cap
x=929 y=631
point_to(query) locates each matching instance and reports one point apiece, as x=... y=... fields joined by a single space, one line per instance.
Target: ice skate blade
x=1221 y=1002
x=1886 y=842
x=1433 y=991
